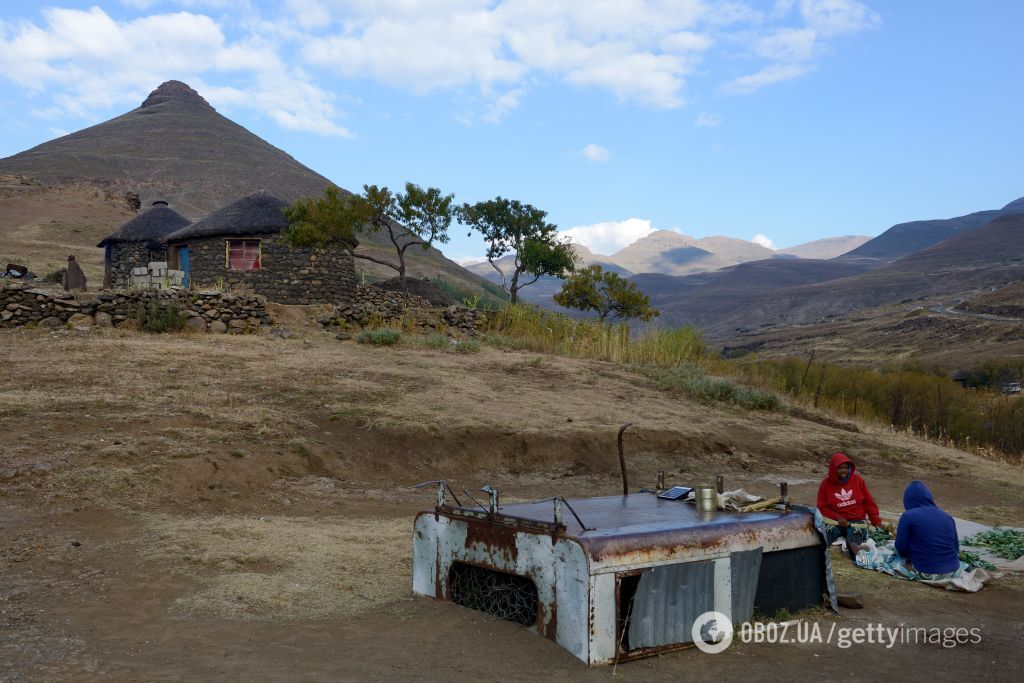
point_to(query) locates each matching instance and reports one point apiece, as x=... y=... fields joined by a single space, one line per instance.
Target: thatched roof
x=152 y=225
x=256 y=214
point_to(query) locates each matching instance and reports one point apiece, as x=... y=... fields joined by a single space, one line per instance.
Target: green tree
x=511 y=227
x=337 y=217
x=595 y=289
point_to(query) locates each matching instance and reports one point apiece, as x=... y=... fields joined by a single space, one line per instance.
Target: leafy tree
x=595 y=289
x=511 y=227
x=335 y=218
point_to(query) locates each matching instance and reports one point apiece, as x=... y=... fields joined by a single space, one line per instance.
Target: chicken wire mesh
x=502 y=595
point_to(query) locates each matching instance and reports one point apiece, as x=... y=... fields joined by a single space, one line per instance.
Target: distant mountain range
x=672 y=253
x=773 y=293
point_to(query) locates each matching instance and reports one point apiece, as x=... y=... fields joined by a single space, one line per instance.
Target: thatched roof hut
x=152 y=226
x=139 y=242
x=257 y=214
x=241 y=246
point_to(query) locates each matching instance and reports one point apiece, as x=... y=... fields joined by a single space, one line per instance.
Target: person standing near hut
x=74 y=278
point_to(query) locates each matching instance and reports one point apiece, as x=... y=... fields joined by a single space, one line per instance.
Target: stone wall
x=375 y=307
x=127 y=255
x=287 y=275
x=204 y=311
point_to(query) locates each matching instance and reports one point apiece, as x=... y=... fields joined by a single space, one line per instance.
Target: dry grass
x=284 y=569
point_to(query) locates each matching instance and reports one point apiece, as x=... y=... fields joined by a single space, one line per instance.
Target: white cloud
x=91 y=62
x=787 y=44
x=58 y=132
x=764 y=241
x=610 y=237
x=769 y=75
x=835 y=17
x=596 y=154
x=488 y=53
x=499 y=108
x=706 y=120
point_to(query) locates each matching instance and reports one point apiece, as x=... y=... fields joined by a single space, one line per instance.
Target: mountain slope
x=706 y=299
x=986 y=256
x=176 y=147
x=65 y=195
x=905 y=238
x=672 y=253
x=827 y=248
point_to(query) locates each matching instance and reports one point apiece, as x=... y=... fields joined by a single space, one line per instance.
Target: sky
x=776 y=121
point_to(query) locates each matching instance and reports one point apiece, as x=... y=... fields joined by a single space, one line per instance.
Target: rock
x=236 y=324
x=343 y=336
x=195 y=324
x=80 y=320
x=850 y=600
x=217 y=327
x=51 y=323
x=104 y=319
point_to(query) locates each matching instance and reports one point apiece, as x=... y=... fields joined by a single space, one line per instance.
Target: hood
x=917 y=495
x=833 y=467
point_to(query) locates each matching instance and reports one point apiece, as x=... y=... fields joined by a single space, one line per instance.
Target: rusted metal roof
x=641 y=522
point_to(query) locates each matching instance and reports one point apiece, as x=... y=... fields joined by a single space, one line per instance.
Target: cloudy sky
x=775 y=121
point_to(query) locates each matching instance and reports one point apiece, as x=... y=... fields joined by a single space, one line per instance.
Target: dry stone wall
x=204 y=311
x=287 y=275
x=376 y=307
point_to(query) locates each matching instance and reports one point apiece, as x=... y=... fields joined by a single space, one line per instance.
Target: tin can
x=705 y=497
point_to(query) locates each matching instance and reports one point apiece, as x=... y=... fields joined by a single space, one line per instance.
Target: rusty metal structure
x=615 y=578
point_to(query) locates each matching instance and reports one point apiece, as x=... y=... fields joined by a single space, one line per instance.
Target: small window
x=243 y=254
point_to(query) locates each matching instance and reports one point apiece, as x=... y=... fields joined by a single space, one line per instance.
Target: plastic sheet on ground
x=884 y=558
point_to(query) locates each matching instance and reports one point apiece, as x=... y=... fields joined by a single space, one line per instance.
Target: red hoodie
x=850 y=500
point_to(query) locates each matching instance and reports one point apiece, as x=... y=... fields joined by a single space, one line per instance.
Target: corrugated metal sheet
x=668 y=599
x=745 y=566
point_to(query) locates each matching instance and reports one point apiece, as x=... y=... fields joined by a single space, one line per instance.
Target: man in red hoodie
x=846 y=504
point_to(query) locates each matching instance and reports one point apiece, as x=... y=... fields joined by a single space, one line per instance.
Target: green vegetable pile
x=879 y=535
x=972 y=559
x=1005 y=543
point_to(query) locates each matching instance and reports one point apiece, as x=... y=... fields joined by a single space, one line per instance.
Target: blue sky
x=790 y=120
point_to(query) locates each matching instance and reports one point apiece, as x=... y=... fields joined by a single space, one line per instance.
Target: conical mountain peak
x=175 y=91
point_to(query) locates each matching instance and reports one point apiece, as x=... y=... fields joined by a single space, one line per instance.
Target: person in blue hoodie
x=926 y=537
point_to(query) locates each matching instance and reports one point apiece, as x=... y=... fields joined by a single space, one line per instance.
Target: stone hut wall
x=205 y=311
x=287 y=275
x=127 y=255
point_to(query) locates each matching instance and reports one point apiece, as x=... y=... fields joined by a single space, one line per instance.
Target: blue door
x=183 y=263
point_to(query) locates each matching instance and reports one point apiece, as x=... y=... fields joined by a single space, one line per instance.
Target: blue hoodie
x=927 y=534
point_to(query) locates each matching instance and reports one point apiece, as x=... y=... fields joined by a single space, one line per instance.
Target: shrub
x=467 y=346
x=692 y=381
x=158 y=319
x=379 y=337
x=529 y=328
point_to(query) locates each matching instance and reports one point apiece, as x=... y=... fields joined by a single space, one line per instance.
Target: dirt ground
x=195 y=507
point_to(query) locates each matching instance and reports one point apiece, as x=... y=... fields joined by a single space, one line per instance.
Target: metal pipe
x=622 y=459
x=661 y=480
x=482 y=507
x=720 y=483
x=784 y=494
x=442 y=489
